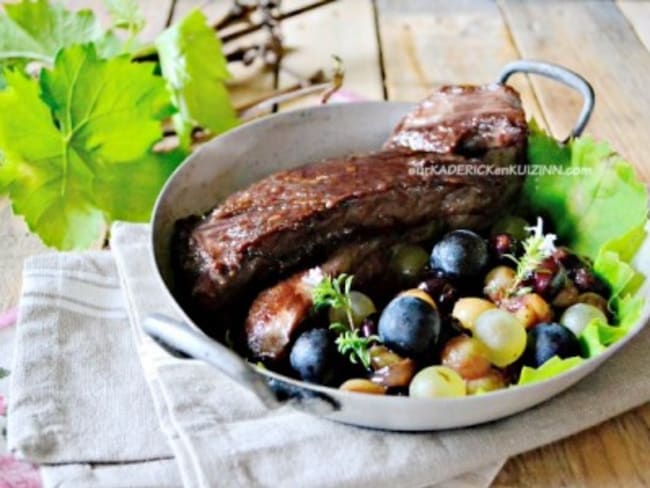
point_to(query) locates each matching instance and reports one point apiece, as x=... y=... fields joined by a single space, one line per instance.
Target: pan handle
x=564 y=76
x=181 y=340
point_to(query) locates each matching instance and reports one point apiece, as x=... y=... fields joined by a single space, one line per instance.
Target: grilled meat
x=284 y=222
x=467 y=120
x=314 y=209
x=277 y=312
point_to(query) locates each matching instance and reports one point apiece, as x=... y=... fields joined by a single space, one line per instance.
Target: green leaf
x=620 y=276
x=36 y=30
x=128 y=191
x=628 y=310
x=600 y=213
x=79 y=138
x=549 y=369
x=590 y=341
x=338 y=327
x=3 y=373
x=126 y=15
x=333 y=292
x=110 y=107
x=597 y=336
x=193 y=63
x=589 y=209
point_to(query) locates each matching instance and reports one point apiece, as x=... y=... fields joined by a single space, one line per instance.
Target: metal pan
x=255 y=150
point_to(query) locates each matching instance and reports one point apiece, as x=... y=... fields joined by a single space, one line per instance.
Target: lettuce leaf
x=550 y=368
x=596 y=199
x=595 y=338
x=613 y=262
x=599 y=209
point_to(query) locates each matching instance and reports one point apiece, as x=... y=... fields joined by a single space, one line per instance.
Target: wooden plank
x=615 y=453
x=594 y=39
x=345 y=28
x=430 y=43
x=638 y=14
x=156 y=13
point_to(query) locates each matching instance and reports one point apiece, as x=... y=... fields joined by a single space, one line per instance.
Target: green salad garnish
x=599 y=209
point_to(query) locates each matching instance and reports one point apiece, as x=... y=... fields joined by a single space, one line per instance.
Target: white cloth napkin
x=98 y=404
x=75 y=361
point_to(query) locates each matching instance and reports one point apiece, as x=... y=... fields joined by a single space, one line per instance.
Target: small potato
x=467 y=356
x=567 y=296
x=493 y=380
x=381 y=356
x=467 y=310
x=591 y=298
x=531 y=309
x=498 y=281
x=395 y=375
x=361 y=385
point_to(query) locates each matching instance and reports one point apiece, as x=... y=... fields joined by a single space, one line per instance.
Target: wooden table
x=401 y=50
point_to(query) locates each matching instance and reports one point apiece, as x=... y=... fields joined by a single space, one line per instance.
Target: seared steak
x=467 y=120
x=277 y=312
x=259 y=235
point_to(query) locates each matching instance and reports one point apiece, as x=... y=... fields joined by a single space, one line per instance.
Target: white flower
x=313 y=277
x=547 y=244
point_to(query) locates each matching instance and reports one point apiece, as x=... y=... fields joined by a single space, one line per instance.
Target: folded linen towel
x=221 y=435
x=80 y=399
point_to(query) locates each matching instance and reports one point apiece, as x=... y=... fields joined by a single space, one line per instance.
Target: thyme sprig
x=335 y=293
x=351 y=344
x=537 y=247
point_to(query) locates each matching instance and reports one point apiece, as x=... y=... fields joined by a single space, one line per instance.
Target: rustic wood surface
x=400 y=50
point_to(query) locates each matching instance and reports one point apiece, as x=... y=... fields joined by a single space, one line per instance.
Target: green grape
x=409 y=259
x=503 y=336
x=437 y=382
x=361 y=306
x=577 y=317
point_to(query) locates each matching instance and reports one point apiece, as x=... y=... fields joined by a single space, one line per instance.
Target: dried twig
x=337 y=79
x=281 y=16
x=239 y=12
x=317 y=78
x=310 y=86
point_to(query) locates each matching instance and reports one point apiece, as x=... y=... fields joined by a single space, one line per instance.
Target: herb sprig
x=537 y=247
x=335 y=293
